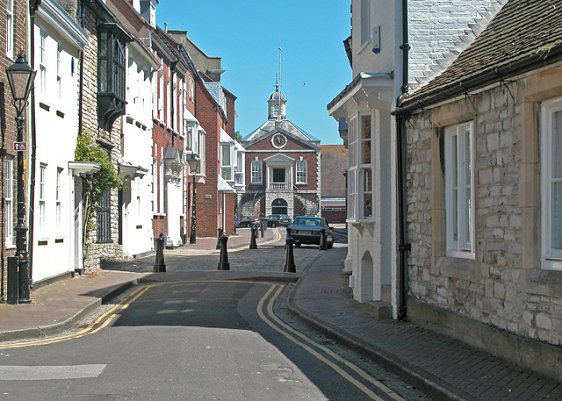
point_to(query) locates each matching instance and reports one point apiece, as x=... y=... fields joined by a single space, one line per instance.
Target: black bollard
x=323 y=242
x=159 y=265
x=289 y=259
x=262 y=227
x=253 y=244
x=223 y=259
x=220 y=230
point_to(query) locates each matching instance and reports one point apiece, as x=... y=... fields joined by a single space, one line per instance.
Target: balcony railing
x=279 y=185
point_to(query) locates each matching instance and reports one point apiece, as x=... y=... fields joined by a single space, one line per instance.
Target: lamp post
x=193 y=161
x=20 y=77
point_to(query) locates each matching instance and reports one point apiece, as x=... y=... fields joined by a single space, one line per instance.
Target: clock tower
x=277 y=105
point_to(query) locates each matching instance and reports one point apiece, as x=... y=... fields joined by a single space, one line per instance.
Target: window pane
x=556 y=143
x=226 y=155
x=366 y=139
x=556 y=223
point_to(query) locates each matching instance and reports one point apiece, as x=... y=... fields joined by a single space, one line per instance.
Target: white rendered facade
x=57 y=235
x=136 y=165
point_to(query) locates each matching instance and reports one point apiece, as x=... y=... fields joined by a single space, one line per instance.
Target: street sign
x=20 y=146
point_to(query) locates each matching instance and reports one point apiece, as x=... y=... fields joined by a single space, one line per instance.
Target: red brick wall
x=207 y=194
x=230 y=114
x=229 y=210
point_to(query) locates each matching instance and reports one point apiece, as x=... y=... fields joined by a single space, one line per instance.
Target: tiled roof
x=523 y=29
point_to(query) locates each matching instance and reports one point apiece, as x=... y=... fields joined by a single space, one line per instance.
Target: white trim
x=551 y=258
x=455 y=156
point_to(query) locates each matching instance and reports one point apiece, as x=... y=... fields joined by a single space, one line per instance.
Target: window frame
x=459 y=242
x=301 y=172
x=365 y=166
x=228 y=149
x=352 y=171
x=551 y=259
x=41 y=199
x=256 y=175
x=10 y=21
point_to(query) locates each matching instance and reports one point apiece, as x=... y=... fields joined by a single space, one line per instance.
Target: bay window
x=226 y=161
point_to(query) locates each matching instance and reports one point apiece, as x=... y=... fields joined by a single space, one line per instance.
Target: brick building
x=334 y=191
x=282 y=167
x=13 y=38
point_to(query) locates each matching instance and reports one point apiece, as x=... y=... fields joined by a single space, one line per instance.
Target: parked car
x=307 y=230
x=247 y=221
x=274 y=220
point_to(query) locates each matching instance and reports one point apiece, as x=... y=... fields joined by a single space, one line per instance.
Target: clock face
x=279 y=140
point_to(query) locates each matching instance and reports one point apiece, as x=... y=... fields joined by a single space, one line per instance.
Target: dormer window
x=111 y=74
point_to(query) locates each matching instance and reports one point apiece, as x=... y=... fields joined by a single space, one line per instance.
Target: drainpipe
x=401 y=157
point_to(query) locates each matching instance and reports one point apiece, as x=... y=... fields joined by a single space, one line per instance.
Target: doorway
x=279 y=206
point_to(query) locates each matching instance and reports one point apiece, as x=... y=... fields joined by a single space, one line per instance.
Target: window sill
x=361 y=221
x=159 y=214
x=10 y=246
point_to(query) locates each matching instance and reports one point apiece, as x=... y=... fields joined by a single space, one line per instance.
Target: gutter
x=401 y=158
x=491 y=75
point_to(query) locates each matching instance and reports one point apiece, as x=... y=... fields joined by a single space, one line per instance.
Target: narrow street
x=194 y=339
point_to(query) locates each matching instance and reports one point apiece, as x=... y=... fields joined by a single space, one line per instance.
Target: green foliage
x=88 y=150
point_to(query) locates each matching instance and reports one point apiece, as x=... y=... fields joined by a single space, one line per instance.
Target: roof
x=524 y=33
x=271 y=126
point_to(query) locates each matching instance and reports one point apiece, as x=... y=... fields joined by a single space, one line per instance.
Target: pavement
x=444 y=368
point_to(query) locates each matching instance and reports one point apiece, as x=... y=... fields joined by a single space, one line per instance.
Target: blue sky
x=247 y=36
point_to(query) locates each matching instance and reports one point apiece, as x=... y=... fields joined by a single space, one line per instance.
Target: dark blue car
x=307 y=230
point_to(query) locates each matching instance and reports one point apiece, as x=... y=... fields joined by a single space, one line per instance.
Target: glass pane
x=467 y=216
x=455 y=162
x=556 y=223
x=226 y=173
x=368 y=180
x=467 y=159
x=556 y=144
x=225 y=155
x=368 y=205
x=455 y=215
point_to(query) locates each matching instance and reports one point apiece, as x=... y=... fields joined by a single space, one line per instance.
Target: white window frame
x=10 y=28
x=365 y=177
x=460 y=216
x=551 y=257
x=301 y=169
x=227 y=166
x=42 y=62
x=256 y=172
x=41 y=197
x=59 y=75
x=352 y=170
x=58 y=198
x=9 y=202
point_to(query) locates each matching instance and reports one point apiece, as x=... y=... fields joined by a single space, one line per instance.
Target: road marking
x=387 y=391
x=20 y=373
x=96 y=326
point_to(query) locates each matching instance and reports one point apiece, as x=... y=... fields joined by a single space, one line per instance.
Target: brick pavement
x=443 y=367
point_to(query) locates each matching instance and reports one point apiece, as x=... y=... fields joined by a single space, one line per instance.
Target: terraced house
x=106 y=71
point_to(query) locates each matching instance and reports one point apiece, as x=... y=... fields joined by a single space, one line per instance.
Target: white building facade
x=56 y=238
x=136 y=165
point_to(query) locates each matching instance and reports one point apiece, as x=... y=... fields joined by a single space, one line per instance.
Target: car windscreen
x=307 y=221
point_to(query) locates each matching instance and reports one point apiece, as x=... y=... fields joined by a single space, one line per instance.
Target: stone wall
x=494 y=287
x=94 y=252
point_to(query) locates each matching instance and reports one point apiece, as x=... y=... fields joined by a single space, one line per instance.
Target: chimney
x=148 y=11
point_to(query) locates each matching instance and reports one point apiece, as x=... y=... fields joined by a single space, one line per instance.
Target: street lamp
x=20 y=77
x=193 y=161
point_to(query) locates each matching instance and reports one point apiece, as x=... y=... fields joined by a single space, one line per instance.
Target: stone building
x=282 y=167
x=102 y=95
x=392 y=52
x=483 y=191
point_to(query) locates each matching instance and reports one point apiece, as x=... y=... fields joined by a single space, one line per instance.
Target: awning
x=225 y=187
x=128 y=170
x=81 y=169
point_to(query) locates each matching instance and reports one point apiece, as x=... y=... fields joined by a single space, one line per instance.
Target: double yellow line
x=96 y=326
x=347 y=370
x=341 y=366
